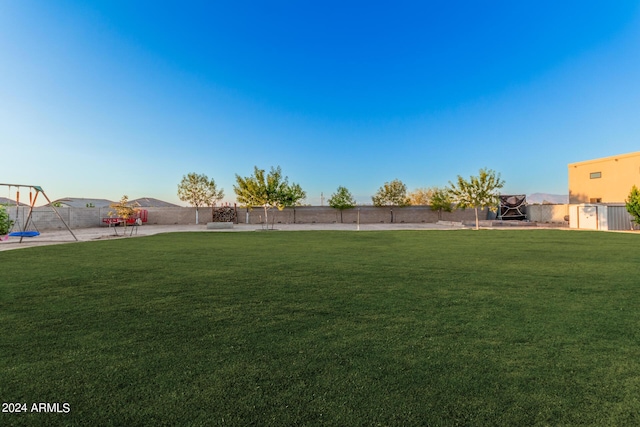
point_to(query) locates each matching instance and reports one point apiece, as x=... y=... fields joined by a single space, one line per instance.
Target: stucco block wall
x=547 y=213
x=45 y=218
x=368 y=215
x=170 y=216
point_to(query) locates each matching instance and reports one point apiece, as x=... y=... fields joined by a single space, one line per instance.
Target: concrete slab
x=55 y=237
x=219 y=225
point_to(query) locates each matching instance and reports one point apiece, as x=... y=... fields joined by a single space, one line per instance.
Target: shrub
x=5 y=222
x=633 y=204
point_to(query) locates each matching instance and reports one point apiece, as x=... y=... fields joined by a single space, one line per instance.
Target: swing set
x=28 y=229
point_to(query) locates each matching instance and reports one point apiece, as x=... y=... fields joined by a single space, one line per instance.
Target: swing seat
x=24 y=234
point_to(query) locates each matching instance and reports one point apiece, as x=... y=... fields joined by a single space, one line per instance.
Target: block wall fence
x=45 y=218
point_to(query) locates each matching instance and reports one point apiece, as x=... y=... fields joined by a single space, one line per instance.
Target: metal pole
x=38 y=189
x=28 y=216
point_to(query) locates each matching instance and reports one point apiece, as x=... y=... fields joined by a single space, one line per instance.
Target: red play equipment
x=140 y=215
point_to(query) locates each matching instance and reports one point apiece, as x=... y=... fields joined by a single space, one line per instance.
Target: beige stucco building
x=605 y=180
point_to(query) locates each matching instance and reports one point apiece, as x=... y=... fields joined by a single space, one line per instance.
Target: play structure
x=27 y=228
x=512 y=207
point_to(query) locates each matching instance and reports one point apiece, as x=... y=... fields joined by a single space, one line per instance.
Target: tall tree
x=477 y=192
x=392 y=193
x=341 y=200
x=633 y=204
x=441 y=201
x=198 y=190
x=267 y=190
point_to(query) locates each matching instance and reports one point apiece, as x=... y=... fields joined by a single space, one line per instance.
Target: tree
x=478 y=192
x=421 y=196
x=392 y=193
x=198 y=190
x=341 y=200
x=293 y=196
x=441 y=201
x=123 y=209
x=633 y=204
x=270 y=190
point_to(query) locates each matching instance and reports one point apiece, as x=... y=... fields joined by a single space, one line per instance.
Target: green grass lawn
x=442 y=328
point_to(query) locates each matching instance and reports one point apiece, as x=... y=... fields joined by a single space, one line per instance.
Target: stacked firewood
x=224 y=214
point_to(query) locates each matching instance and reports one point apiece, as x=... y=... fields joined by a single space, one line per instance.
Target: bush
x=5 y=222
x=633 y=204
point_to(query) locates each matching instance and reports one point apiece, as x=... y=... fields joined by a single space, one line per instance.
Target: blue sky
x=101 y=99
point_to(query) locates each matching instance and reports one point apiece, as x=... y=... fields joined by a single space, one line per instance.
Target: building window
x=596 y=200
x=595 y=175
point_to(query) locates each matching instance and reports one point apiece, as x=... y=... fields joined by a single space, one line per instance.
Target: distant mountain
x=540 y=198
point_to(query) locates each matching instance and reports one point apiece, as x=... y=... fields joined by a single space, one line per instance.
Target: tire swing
x=24 y=232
